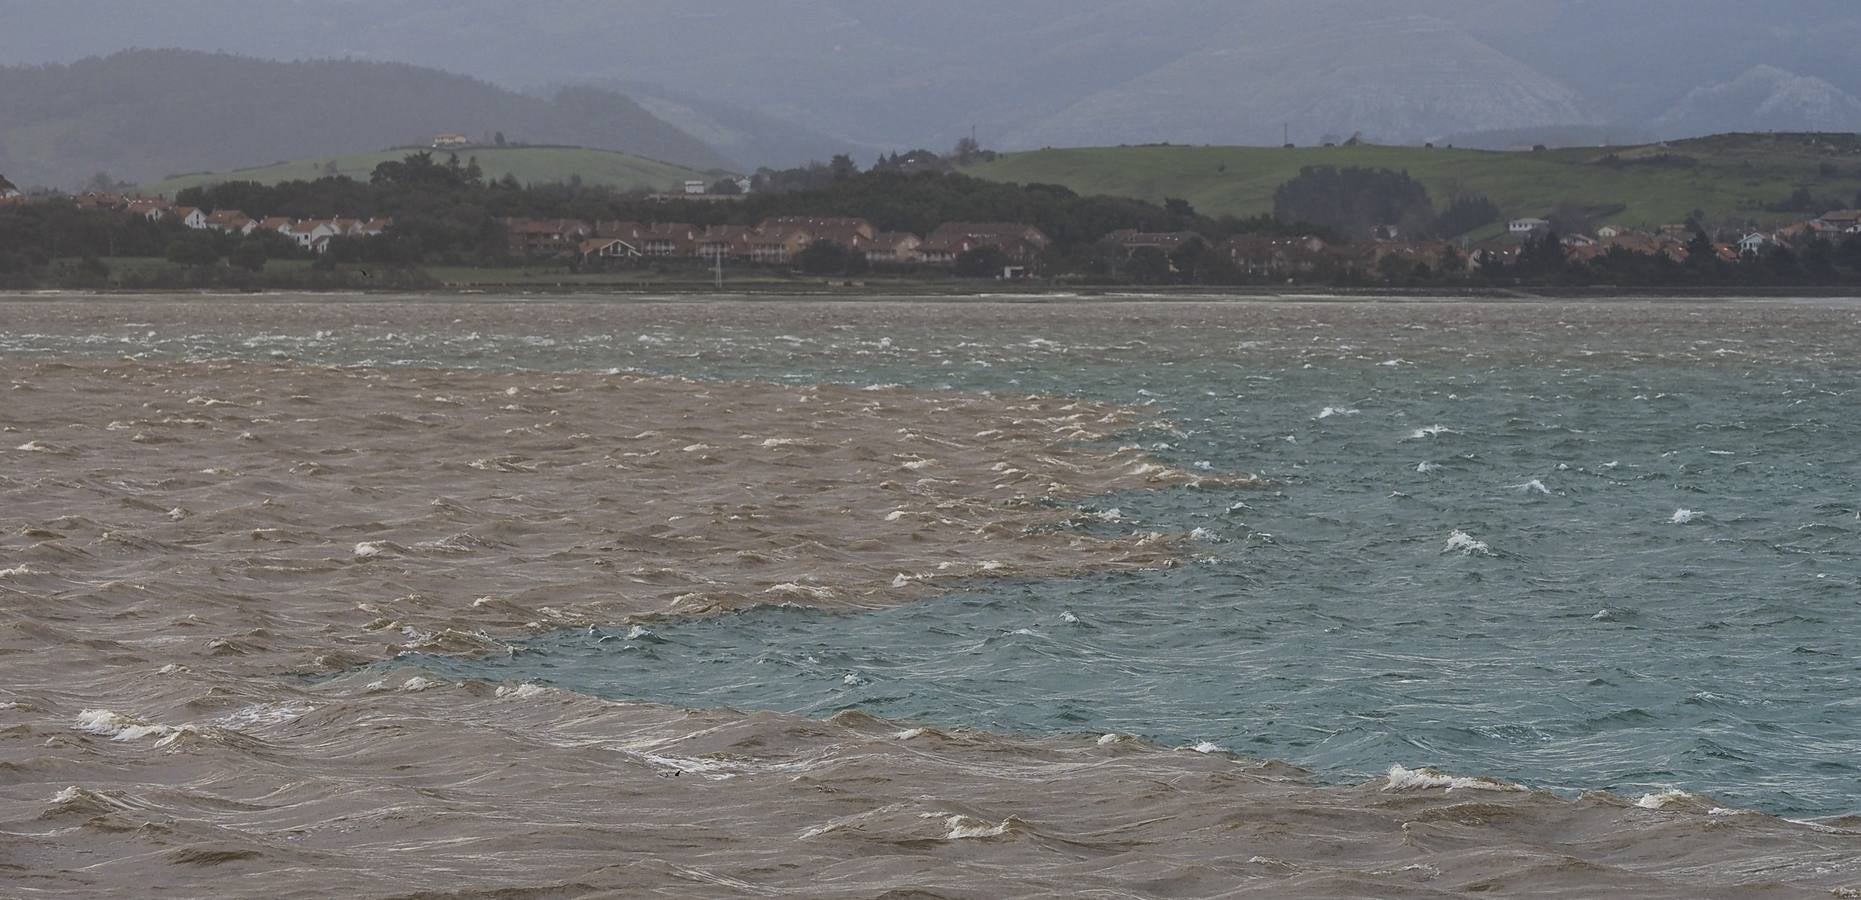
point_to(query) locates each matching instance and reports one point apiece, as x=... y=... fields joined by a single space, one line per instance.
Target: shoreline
x=1002 y=294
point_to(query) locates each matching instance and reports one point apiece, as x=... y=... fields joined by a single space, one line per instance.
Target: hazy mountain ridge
x=1403 y=79
x=144 y=115
x=1764 y=98
x=867 y=75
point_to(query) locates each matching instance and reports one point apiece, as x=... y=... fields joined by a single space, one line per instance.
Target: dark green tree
x=250 y=255
x=983 y=262
x=1149 y=265
x=193 y=250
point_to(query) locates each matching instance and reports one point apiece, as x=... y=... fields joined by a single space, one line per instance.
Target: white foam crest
x=1405 y=779
x=1665 y=798
x=264 y=714
x=1683 y=516
x=19 y=571
x=808 y=591
x=1427 y=468
x=1205 y=536
x=1208 y=747
x=910 y=734
x=1533 y=486
x=1466 y=545
x=524 y=691
x=1333 y=411
x=639 y=631
x=118 y=727
x=418 y=683
x=370 y=549
x=964 y=828
x=1424 y=433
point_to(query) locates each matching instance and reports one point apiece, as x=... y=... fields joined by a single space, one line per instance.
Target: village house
x=1754 y=243
x=893 y=248
x=231 y=221
x=778 y=243
x=1837 y=222
x=1130 y=240
x=1020 y=243
x=1274 y=256
x=537 y=238
x=1528 y=226
x=189 y=216
x=450 y=141
x=607 y=248
x=725 y=242
x=1608 y=231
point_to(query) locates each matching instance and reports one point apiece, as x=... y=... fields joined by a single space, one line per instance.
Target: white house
x=608 y=248
x=1608 y=231
x=695 y=187
x=313 y=234
x=1754 y=243
x=1528 y=226
x=191 y=217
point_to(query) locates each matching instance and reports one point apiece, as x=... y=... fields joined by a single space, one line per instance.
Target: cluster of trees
x=1359 y=201
x=446 y=211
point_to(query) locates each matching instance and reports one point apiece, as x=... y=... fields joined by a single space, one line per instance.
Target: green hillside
x=1729 y=176
x=528 y=164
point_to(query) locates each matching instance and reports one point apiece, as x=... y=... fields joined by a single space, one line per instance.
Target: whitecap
x=1465 y=544
x=1427 y=468
x=1533 y=486
x=638 y=632
x=1205 y=536
x=524 y=691
x=1331 y=411
x=1406 y=779
x=118 y=727
x=966 y=828
x=1208 y=747
x=417 y=684
x=1665 y=799
x=19 y=571
x=1430 y=431
x=370 y=549
x=1068 y=617
x=910 y=734
x=1683 y=516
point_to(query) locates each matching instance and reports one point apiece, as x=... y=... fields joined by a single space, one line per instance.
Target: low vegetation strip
x=1744 y=176
x=529 y=165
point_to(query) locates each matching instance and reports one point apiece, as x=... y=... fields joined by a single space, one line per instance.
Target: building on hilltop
x=449 y=141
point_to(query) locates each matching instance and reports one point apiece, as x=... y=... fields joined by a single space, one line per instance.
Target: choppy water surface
x=1577 y=547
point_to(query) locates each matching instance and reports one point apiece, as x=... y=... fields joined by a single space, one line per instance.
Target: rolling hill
x=144 y=115
x=527 y=164
x=1729 y=176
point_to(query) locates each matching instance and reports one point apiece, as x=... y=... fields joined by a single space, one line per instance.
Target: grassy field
x=528 y=164
x=1728 y=177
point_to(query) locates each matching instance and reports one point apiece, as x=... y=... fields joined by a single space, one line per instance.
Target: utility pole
x=720 y=270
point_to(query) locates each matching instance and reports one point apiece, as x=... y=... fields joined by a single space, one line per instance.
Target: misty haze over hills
x=777 y=81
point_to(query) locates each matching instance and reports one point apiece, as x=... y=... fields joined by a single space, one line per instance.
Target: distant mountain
x=145 y=115
x=1397 y=80
x=1764 y=98
x=750 y=138
x=777 y=80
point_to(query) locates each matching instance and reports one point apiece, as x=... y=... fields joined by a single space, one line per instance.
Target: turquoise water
x=1568 y=547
